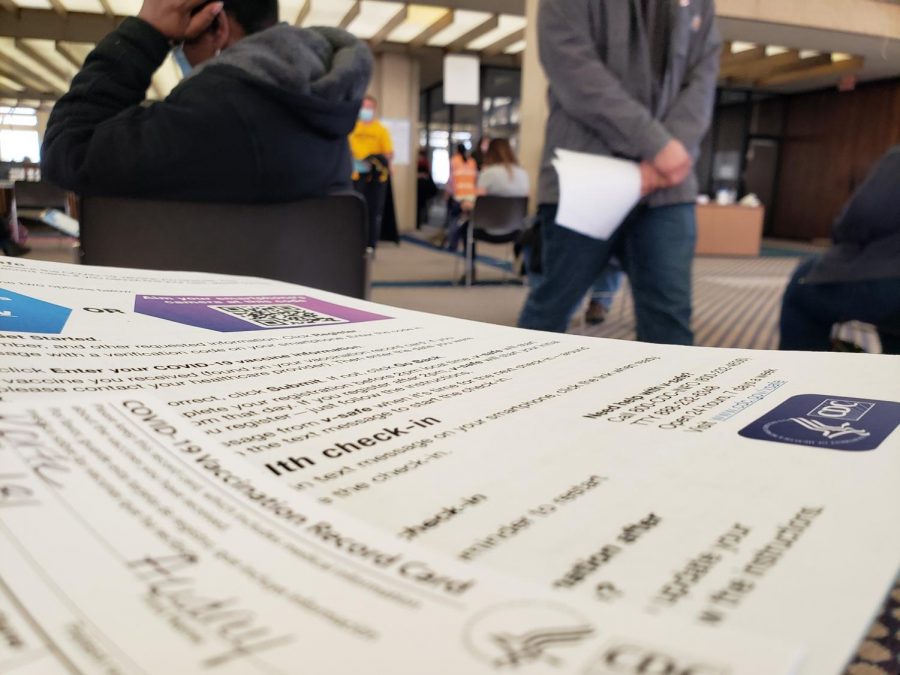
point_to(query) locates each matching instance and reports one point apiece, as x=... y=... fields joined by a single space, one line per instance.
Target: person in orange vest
x=462 y=189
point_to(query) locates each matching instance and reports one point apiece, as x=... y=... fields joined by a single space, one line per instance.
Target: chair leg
x=470 y=262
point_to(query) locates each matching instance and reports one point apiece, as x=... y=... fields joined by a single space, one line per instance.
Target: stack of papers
x=595 y=192
x=203 y=472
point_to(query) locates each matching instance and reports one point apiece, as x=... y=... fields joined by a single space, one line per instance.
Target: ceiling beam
x=351 y=14
x=30 y=76
x=422 y=38
x=850 y=65
x=751 y=73
x=500 y=45
x=514 y=7
x=730 y=59
x=23 y=80
x=59 y=8
x=303 y=13
x=42 y=60
x=460 y=43
x=766 y=65
x=45 y=24
x=798 y=64
x=66 y=52
x=389 y=27
x=107 y=8
x=26 y=95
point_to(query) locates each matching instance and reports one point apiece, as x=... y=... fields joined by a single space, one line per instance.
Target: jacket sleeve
x=100 y=139
x=586 y=89
x=873 y=211
x=690 y=114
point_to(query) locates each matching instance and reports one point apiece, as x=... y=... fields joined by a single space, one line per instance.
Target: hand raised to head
x=174 y=18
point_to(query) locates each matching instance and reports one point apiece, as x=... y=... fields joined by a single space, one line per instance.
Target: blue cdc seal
x=835 y=422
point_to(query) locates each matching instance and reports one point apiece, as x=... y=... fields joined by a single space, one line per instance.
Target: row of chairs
x=322 y=243
x=316 y=242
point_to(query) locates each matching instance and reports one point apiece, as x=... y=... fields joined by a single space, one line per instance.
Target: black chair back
x=39 y=195
x=320 y=243
x=500 y=216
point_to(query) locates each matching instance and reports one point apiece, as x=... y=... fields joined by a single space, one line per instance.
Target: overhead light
x=373 y=15
x=418 y=19
x=773 y=50
x=327 y=13
x=507 y=24
x=809 y=53
x=738 y=47
x=464 y=20
x=125 y=7
x=840 y=56
x=515 y=48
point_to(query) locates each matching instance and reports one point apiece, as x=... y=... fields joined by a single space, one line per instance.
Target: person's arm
x=690 y=114
x=587 y=90
x=99 y=135
x=486 y=181
x=873 y=211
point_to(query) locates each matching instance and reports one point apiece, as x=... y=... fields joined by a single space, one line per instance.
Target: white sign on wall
x=461 y=80
x=400 y=131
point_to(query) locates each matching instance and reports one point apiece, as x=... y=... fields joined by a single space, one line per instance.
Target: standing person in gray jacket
x=634 y=79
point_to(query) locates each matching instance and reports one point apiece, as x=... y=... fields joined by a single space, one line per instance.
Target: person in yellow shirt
x=369 y=136
x=372 y=149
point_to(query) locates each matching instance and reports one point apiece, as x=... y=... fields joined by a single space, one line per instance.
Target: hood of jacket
x=321 y=74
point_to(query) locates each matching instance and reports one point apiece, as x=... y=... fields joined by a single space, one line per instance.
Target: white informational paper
x=595 y=192
x=722 y=488
x=462 y=77
x=401 y=133
x=127 y=547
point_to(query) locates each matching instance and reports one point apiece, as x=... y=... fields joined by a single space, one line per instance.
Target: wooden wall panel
x=831 y=140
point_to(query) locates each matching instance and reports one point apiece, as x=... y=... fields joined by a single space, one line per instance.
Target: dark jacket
x=265 y=121
x=597 y=59
x=867 y=233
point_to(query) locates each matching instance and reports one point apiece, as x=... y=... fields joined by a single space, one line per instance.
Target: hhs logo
x=844 y=423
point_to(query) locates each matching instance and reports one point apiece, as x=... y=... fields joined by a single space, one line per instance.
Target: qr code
x=278 y=316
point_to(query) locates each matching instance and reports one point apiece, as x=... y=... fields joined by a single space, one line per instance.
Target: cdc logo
x=628 y=658
x=839 y=423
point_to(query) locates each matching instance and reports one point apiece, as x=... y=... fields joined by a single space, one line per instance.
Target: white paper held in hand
x=595 y=192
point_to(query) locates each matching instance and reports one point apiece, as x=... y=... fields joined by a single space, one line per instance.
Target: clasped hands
x=671 y=166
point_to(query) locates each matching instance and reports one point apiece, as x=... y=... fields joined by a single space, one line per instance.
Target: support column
x=533 y=107
x=395 y=83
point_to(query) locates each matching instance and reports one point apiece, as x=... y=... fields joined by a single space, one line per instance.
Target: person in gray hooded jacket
x=633 y=79
x=264 y=121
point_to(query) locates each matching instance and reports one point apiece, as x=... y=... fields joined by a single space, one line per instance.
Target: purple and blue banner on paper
x=835 y=422
x=227 y=314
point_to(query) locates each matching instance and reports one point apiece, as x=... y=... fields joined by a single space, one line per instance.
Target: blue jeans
x=605 y=287
x=656 y=249
x=809 y=311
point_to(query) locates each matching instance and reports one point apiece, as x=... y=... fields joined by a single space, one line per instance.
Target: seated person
x=265 y=121
x=501 y=175
x=461 y=192
x=858 y=278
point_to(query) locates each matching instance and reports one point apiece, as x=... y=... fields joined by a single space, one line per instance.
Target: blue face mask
x=183 y=64
x=366 y=114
